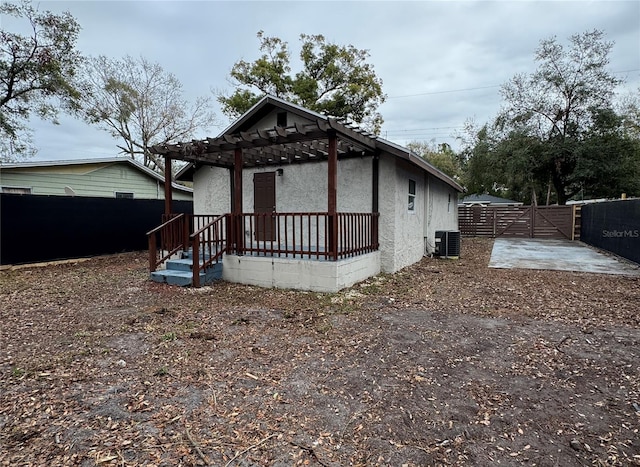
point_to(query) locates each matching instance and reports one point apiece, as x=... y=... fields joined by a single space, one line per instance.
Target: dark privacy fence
x=613 y=226
x=44 y=228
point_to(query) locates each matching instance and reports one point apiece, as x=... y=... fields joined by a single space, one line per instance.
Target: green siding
x=102 y=182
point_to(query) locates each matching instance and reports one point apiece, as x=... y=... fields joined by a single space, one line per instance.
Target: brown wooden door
x=264 y=201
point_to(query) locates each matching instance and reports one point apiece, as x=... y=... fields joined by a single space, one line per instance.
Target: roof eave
x=185 y=174
x=268 y=99
x=105 y=160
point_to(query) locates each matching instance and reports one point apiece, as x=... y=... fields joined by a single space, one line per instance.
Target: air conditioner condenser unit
x=447 y=244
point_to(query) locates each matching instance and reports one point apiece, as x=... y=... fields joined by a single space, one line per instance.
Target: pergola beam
x=302 y=142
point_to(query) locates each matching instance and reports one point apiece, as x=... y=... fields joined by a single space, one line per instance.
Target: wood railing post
x=238 y=233
x=153 y=253
x=374 y=232
x=333 y=236
x=228 y=233
x=196 y=261
x=186 y=231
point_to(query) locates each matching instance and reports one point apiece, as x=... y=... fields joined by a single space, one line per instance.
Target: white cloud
x=416 y=48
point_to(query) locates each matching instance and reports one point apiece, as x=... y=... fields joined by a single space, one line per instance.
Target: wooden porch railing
x=306 y=235
x=173 y=235
x=167 y=239
x=358 y=234
x=208 y=244
x=289 y=235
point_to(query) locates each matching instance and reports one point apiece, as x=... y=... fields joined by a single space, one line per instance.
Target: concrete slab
x=562 y=255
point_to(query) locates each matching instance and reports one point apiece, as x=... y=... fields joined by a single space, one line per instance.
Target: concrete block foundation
x=300 y=274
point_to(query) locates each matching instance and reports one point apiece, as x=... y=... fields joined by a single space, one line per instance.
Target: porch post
x=168 y=192
x=332 y=196
x=375 y=171
x=238 y=231
x=375 y=175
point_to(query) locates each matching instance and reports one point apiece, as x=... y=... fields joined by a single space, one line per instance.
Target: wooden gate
x=517 y=221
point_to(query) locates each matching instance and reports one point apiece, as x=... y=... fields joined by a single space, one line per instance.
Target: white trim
x=411 y=200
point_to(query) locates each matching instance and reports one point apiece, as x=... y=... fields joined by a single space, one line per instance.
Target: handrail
x=161 y=226
x=172 y=238
x=214 y=237
x=205 y=227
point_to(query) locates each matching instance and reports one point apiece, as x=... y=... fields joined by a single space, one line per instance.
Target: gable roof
x=263 y=107
x=304 y=141
x=97 y=161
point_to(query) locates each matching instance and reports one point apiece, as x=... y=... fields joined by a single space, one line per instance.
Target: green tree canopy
x=334 y=80
x=441 y=156
x=557 y=136
x=141 y=104
x=38 y=74
x=608 y=160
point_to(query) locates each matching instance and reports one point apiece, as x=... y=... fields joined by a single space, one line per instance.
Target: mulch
x=447 y=362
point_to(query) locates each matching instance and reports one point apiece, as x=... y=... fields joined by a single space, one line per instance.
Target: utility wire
x=478 y=88
x=425 y=129
x=444 y=92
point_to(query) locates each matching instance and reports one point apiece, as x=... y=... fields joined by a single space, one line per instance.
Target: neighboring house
x=488 y=200
x=116 y=177
x=314 y=203
x=578 y=202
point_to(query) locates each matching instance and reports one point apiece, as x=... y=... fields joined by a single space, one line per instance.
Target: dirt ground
x=446 y=363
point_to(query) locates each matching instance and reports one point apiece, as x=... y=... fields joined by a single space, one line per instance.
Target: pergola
x=325 y=139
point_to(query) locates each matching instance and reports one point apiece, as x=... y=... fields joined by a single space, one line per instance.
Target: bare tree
x=37 y=74
x=141 y=104
x=556 y=103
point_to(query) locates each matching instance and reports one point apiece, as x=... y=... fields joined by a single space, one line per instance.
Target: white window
x=124 y=194
x=412 y=196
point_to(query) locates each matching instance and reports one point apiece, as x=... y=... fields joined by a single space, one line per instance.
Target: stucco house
x=114 y=177
x=287 y=197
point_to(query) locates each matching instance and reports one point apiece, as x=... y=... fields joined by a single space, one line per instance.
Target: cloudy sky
x=441 y=63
